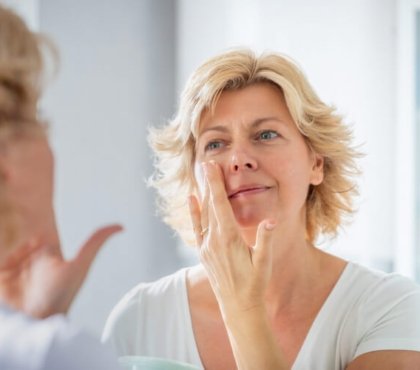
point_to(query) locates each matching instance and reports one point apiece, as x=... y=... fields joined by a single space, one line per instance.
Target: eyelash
x=210 y=143
x=258 y=137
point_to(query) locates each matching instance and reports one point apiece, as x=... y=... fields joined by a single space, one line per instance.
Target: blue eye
x=267 y=135
x=213 y=145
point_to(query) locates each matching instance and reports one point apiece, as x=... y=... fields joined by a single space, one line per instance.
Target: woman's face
x=266 y=163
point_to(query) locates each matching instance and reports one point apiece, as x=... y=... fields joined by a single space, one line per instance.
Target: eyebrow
x=254 y=124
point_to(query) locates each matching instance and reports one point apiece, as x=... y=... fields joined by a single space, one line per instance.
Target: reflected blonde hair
x=324 y=131
x=22 y=55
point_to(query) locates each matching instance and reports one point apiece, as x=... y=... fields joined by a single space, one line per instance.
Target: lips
x=247 y=190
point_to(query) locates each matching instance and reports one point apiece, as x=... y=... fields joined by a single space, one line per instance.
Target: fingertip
x=115 y=228
x=216 y=167
x=270 y=225
x=210 y=168
x=119 y=228
x=205 y=168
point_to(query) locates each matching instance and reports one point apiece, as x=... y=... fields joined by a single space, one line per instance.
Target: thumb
x=262 y=252
x=90 y=249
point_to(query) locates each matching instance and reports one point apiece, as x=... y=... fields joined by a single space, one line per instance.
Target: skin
x=34 y=276
x=261 y=284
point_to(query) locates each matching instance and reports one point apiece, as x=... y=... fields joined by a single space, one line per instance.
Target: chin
x=249 y=220
x=248 y=224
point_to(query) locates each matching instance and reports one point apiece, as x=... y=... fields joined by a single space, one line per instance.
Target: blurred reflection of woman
x=36 y=284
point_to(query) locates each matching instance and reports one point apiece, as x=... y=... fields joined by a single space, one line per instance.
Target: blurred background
x=123 y=64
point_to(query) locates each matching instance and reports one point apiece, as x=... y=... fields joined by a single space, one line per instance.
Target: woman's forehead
x=247 y=106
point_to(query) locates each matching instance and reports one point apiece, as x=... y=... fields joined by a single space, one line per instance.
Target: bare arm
x=386 y=360
x=252 y=340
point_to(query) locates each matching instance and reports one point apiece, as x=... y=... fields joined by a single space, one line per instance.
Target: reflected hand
x=38 y=281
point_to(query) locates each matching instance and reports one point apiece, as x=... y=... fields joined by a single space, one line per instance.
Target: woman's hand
x=38 y=281
x=238 y=273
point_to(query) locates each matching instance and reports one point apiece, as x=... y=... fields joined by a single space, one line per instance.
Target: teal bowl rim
x=126 y=360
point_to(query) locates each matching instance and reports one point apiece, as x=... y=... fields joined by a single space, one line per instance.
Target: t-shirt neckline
x=332 y=297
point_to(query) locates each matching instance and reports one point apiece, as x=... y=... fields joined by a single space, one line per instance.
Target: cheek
x=282 y=167
x=298 y=174
x=299 y=177
x=291 y=171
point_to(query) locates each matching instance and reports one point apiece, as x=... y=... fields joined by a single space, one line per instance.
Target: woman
x=35 y=281
x=269 y=168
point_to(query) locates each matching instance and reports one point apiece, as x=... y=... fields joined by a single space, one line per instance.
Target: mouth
x=248 y=191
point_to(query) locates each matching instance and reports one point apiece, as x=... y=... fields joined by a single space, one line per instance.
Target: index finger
x=89 y=250
x=218 y=196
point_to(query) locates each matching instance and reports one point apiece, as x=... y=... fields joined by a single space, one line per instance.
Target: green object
x=152 y=363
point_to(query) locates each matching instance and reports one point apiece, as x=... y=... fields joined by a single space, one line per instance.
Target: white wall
x=347 y=49
x=27 y=9
x=406 y=206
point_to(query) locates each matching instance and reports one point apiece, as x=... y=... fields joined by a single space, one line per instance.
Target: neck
x=302 y=278
x=296 y=269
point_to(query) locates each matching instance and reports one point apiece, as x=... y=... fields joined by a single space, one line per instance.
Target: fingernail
x=212 y=166
x=270 y=225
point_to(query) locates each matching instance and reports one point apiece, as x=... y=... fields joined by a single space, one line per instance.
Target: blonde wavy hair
x=21 y=77
x=324 y=131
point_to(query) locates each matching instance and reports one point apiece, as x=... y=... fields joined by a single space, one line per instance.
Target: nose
x=241 y=160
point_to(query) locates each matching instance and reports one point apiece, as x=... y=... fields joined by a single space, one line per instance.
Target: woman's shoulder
x=378 y=282
x=145 y=300
x=374 y=293
x=153 y=307
x=369 y=293
x=386 y=314
x=155 y=292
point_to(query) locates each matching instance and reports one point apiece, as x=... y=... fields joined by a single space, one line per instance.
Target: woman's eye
x=267 y=135
x=213 y=145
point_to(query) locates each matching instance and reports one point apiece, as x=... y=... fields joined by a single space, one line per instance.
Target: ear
x=317 y=171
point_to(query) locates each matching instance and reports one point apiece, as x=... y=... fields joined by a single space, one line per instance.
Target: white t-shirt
x=366 y=311
x=50 y=344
